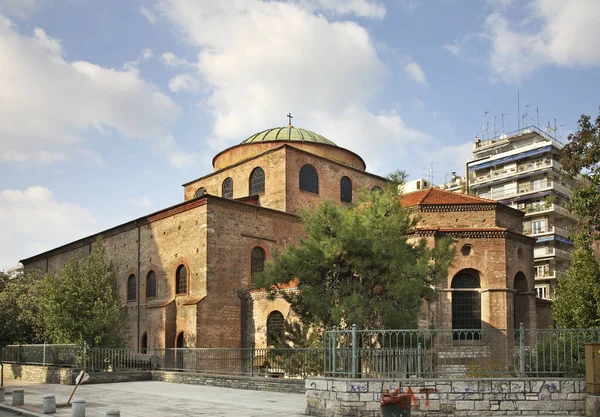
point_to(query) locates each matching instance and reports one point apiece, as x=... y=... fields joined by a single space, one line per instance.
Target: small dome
x=288 y=133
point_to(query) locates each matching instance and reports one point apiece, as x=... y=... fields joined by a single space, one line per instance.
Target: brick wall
x=491 y=397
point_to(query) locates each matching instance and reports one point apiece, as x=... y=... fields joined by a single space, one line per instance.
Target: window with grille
x=131 y=288
x=201 y=192
x=275 y=328
x=181 y=280
x=466 y=305
x=309 y=180
x=151 y=285
x=377 y=189
x=227 y=188
x=346 y=190
x=257 y=260
x=257 y=181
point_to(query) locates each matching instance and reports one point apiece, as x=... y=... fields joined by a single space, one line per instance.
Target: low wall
x=240 y=382
x=46 y=374
x=333 y=397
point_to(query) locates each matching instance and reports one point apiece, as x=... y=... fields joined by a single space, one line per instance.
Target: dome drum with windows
x=273 y=138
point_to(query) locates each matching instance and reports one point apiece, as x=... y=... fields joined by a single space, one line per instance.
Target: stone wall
x=486 y=397
x=44 y=374
x=239 y=382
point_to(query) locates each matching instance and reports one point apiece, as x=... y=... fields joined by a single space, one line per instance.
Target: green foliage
x=81 y=303
x=356 y=265
x=19 y=321
x=577 y=303
x=582 y=156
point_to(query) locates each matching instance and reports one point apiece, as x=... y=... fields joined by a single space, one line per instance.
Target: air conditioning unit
x=521 y=205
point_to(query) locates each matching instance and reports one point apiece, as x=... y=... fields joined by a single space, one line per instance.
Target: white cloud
x=48 y=103
x=33 y=220
x=415 y=73
x=176 y=156
x=141 y=202
x=555 y=32
x=183 y=82
x=260 y=60
x=361 y=8
x=454 y=48
x=148 y=14
x=22 y=9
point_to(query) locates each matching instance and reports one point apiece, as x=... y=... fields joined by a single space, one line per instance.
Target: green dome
x=288 y=133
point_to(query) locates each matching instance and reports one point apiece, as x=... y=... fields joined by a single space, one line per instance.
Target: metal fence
x=43 y=354
x=351 y=353
x=467 y=353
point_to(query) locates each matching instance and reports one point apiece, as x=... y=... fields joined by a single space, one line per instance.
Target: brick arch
x=178 y=263
x=249 y=251
x=466 y=303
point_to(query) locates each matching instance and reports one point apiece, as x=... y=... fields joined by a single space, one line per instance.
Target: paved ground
x=150 y=398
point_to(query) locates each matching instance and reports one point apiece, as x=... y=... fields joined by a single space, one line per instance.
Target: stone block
x=485 y=386
x=339 y=385
x=507 y=405
x=431 y=405
x=500 y=386
x=465 y=386
x=315 y=384
x=2 y=394
x=483 y=405
x=366 y=396
x=517 y=386
x=465 y=405
x=567 y=386
x=375 y=386
x=443 y=387
x=348 y=396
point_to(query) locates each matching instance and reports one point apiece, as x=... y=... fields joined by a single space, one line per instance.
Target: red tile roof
x=436 y=196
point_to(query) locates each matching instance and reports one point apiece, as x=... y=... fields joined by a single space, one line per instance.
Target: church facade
x=185 y=272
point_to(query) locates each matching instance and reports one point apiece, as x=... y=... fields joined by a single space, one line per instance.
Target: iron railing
x=351 y=353
x=473 y=353
x=42 y=354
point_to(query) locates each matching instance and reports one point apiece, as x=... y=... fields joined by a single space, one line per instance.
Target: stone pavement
x=151 y=398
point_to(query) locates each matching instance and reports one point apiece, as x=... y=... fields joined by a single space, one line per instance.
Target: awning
x=510 y=158
x=554 y=237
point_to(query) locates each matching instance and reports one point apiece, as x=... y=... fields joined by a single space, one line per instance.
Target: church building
x=185 y=272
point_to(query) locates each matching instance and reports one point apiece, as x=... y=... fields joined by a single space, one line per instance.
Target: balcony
x=546 y=252
x=550 y=274
x=496 y=175
x=547 y=230
x=524 y=189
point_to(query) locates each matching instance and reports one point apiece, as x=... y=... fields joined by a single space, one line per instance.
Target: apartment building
x=523 y=170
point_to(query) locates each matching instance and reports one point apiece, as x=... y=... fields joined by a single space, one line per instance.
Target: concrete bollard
x=49 y=404
x=78 y=407
x=18 y=397
x=113 y=413
x=2 y=398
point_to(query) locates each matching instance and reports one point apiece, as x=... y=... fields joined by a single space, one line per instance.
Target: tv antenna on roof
x=504 y=114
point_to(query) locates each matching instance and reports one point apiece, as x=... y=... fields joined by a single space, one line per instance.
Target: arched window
x=227 y=188
x=346 y=190
x=200 y=192
x=466 y=250
x=377 y=188
x=309 y=180
x=151 y=285
x=257 y=181
x=257 y=260
x=131 y=288
x=144 y=343
x=181 y=280
x=466 y=304
x=275 y=328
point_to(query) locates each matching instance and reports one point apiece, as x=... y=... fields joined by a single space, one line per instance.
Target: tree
x=81 y=303
x=582 y=157
x=18 y=311
x=577 y=303
x=357 y=265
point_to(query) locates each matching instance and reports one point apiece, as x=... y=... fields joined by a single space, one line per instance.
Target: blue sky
x=107 y=107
